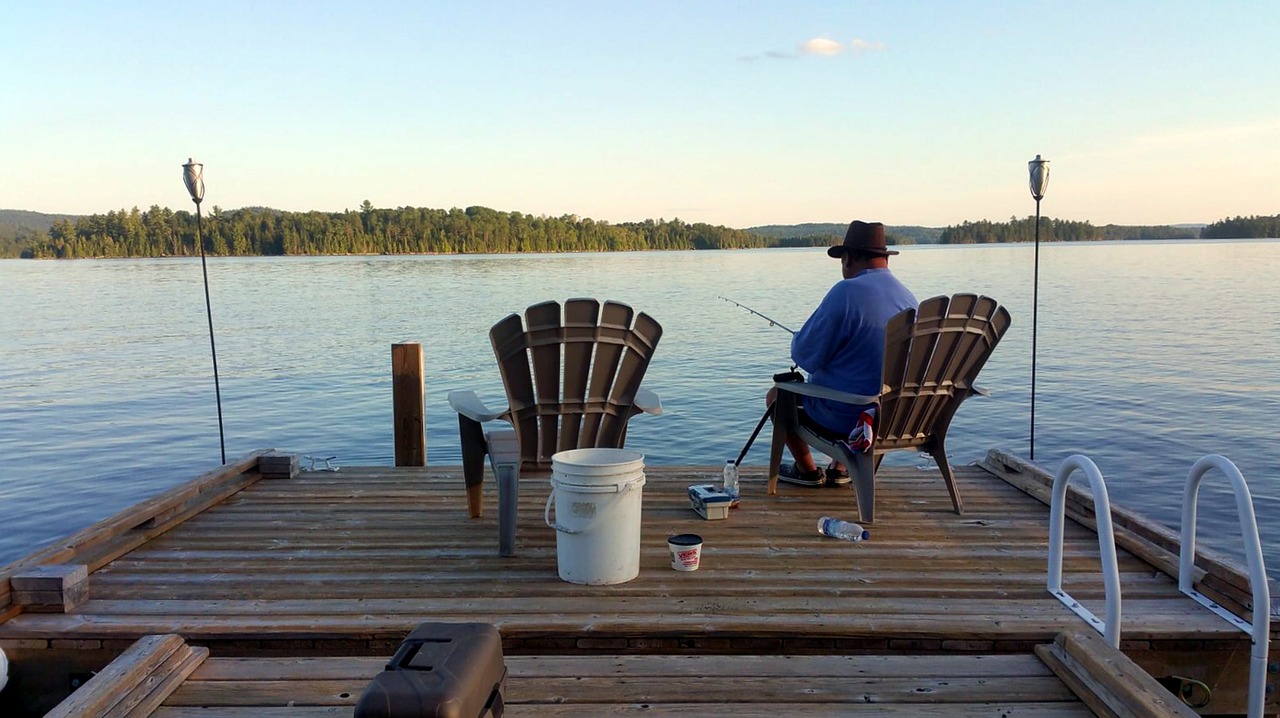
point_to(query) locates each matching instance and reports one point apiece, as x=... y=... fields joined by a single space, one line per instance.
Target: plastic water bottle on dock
x=731 y=482
x=836 y=528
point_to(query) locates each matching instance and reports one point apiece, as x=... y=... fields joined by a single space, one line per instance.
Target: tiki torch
x=193 y=178
x=1039 y=169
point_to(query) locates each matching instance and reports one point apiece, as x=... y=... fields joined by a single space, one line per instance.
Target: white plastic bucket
x=597 y=505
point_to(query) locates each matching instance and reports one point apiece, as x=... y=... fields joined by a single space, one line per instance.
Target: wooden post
x=408 y=389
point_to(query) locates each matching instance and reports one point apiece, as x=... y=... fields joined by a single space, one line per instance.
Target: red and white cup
x=686 y=551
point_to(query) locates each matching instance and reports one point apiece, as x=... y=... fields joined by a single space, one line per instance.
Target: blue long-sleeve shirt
x=842 y=343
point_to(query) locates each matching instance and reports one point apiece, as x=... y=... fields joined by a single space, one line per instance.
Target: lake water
x=1150 y=355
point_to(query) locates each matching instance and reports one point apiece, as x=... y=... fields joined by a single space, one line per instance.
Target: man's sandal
x=837 y=475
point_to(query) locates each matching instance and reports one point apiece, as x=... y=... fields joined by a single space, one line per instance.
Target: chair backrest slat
x=571 y=376
x=640 y=343
x=932 y=356
x=581 y=317
x=918 y=381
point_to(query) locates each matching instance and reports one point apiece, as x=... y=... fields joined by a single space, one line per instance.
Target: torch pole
x=1039 y=169
x=1035 y=309
x=213 y=349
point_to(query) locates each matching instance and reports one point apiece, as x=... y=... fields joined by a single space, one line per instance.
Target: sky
x=732 y=113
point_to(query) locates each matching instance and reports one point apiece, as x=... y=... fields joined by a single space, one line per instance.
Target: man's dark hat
x=863 y=238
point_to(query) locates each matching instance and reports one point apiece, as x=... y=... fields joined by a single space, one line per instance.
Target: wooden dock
x=290 y=592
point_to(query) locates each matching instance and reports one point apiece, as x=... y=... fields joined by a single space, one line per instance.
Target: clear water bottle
x=731 y=482
x=836 y=528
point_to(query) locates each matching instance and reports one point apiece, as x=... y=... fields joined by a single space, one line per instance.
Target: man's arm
x=813 y=346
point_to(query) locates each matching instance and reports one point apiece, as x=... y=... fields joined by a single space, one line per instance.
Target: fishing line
x=772 y=322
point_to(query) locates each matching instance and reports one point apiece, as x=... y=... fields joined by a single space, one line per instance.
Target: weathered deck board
x=1012 y=685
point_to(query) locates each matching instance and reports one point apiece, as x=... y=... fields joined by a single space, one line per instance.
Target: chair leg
x=775 y=452
x=471 y=434
x=939 y=454
x=862 y=467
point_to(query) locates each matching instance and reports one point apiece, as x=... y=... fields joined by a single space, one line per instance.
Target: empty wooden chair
x=931 y=357
x=572 y=380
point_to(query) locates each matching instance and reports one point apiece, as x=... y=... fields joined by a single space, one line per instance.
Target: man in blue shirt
x=842 y=344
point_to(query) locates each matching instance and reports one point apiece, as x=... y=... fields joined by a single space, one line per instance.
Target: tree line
x=1243 y=228
x=1055 y=230
x=260 y=231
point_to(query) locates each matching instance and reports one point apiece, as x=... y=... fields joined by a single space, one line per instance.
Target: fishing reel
x=787 y=376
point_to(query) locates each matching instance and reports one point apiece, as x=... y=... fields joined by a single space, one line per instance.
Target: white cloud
x=859 y=46
x=821 y=46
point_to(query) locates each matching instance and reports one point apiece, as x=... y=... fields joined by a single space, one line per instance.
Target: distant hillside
x=19 y=229
x=893 y=234
x=30 y=220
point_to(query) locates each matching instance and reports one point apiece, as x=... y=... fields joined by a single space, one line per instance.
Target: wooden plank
x=575 y=686
x=322 y=668
x=745 y=606
x=685 y=710
x=195 y=495
x=51 y=577
x=138 y=693
x=536 y=625
x=110 y=685
x=664 y=689
x=51 y=601
x=1106 y=680
x=163 y=688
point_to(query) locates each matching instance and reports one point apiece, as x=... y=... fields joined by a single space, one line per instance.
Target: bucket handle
x=611 y=489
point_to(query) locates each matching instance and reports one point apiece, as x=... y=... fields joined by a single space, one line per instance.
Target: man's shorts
x=811 y=423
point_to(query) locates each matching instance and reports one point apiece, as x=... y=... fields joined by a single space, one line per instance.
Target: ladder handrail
x=1106 y=545
x=1260 y=631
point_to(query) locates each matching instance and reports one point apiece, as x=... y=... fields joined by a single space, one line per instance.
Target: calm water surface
x=1150 y=356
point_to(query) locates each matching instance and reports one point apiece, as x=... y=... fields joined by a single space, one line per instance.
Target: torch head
x=1039 y=177
x=193 y=178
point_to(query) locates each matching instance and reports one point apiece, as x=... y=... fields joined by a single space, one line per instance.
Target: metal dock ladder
x=1259 y=631
x=1106 y=544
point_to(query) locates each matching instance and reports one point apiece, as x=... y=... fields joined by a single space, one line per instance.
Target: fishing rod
x=772 y=322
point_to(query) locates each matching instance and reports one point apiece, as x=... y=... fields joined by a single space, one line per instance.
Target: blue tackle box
x=710 y=501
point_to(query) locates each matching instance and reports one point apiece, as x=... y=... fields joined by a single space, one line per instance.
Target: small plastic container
x=686 y=551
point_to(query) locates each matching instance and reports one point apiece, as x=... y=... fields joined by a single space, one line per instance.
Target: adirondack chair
x=931 y=357
x=584 y=387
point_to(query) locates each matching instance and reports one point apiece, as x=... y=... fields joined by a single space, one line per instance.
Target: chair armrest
x=466 y=402
x=648 y=402
x=823 y=392
x=979 y=391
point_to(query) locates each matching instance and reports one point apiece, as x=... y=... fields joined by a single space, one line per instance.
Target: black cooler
x=441 y=670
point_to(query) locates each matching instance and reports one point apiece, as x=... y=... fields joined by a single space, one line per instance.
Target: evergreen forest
x=1243 y=228
x=261 y=231
x=1055 y=230
x=257 y=231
